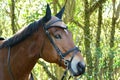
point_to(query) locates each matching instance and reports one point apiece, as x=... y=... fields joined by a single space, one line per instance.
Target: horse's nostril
x=81 y=64
x=81 y=67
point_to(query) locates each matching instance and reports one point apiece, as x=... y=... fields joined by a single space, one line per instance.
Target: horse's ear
x=59 y=15
x=47 y=16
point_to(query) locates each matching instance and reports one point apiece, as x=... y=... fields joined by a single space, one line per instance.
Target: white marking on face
x=74 y=64
x=66 y=31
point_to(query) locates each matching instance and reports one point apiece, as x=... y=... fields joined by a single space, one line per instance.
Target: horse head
x=58 y=46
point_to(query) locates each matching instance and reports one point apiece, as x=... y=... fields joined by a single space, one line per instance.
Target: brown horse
x=47 y=38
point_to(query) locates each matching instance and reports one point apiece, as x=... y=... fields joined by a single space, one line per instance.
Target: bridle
x=59 y=52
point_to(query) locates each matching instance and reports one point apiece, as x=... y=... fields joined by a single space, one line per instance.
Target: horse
x=47 y=38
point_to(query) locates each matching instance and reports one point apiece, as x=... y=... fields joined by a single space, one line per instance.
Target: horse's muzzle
x=80 y=69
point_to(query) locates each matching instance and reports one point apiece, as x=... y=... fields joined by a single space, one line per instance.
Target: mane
x=22 y=35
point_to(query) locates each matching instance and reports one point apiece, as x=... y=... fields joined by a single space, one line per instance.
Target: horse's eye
x=58 y=36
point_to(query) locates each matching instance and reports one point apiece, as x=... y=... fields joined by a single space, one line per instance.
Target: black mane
x=17 y=38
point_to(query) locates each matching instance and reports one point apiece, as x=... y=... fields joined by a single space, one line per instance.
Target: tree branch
x=45 y=67
x=77 y=23
x=95 y=6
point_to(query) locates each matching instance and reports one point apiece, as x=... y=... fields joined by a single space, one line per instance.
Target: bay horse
x=47 y=38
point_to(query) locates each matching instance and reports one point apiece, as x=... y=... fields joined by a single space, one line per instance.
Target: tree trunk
x=55 y=6
x=98 y=50
x=87 y=39
x=112 y=33
x=12 y=8
x=69 y=10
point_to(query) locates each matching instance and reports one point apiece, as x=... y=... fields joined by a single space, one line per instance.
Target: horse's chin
x=73 y=73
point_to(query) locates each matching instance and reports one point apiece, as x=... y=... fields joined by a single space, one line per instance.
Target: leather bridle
x=59 y=52
x=9 y=67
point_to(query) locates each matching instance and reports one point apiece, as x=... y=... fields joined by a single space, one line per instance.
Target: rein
x=9 y=67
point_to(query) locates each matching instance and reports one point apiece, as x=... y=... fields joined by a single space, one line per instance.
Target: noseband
x=59 y=52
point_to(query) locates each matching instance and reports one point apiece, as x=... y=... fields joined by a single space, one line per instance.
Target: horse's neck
x=24 y=55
